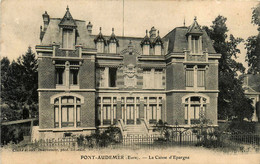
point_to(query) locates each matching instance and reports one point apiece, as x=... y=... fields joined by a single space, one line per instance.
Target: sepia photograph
x=128 y=81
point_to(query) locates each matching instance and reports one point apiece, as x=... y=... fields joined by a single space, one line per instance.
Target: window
x=112 y=47
x=112 y=77
x=195 y=44
x=107 y=110
x=106 y=77
x=74 y=76
x=158 y=50
x=146 y=49
x=195 y=75
x=60 y=76
x=195 y=108
x=67 y=38
x=158 y=75
x=153 y=109
x=100 y=47
x=147 y=78
x=101 y=77
x=153 y=78
x=67 y=111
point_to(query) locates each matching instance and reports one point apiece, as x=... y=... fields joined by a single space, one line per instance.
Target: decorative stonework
x=130 y=75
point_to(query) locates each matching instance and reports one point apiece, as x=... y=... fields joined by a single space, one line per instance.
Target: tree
x=232 y=101
x=19 y=83
x=253 y=44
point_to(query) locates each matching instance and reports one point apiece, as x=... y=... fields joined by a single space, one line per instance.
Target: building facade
x=88 y=81
x=252 y=91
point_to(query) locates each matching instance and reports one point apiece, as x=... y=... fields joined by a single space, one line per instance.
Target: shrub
x=110 y=136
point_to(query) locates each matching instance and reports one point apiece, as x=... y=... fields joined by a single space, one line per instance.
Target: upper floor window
x=60 y=76
x=67 y=38
x=158 y=50
x=107 y=77
x=152 y=78
x=195 y=76
x=100 y=47
x=112 y=47
x=195 y=44
x=67 y=74
x=74 y=76
x=146 y=49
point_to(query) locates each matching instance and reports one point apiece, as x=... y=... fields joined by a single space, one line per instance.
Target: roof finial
x=195 y=18
x=113 y=29
x=184 y=22
x=146 y=31
x=100 y=29
x=67 y=8
x=158 y=32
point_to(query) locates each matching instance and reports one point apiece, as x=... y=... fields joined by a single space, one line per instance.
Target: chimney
x=89 y=27
x=46 y=20
x=152 y=32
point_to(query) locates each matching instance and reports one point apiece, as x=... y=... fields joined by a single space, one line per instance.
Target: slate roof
x=68 y=20
x=253 y=82
x=174 y=41
x=195 y=28
x=146 y=40
x=158 y=40
x=177 y=40
x=113 y=38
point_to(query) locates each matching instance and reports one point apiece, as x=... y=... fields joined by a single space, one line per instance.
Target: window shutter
x=189 y=78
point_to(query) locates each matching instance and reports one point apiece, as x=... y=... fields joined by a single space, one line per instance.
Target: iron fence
x=150 y=141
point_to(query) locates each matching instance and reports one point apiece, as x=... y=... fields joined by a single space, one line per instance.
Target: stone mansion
x=94 y=80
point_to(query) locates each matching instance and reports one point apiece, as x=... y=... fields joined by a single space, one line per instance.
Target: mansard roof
x=194 y=28
x=177 y=40
x=146 y=40
x=174 y=42
x=68 y=21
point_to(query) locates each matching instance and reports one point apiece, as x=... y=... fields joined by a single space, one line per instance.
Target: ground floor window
x=195 y=108
x=67 y=111
x=107 y=110
x=153 y=109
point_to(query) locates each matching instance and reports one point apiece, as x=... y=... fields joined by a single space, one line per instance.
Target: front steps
x=135 y=130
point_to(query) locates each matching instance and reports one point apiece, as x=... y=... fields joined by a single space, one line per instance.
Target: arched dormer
x=113 y=43
x=69 y=33
x=146 y=44
x=194 y=35
x=158 y=45
x=100 y=42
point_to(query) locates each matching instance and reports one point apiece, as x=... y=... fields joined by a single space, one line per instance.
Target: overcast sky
x=21 y=19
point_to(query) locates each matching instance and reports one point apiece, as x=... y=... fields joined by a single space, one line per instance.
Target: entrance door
x=130 y=114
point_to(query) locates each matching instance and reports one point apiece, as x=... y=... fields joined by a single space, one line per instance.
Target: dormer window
x=100 y=47
x=113 y=43
x=146 y=49
x=157 y=50
x=195 y=44
x=67 y=38
x=68 y=27
x=158 y=45
x=145 y=44
x=112 y=48
x=194 y=35
x=100 y=43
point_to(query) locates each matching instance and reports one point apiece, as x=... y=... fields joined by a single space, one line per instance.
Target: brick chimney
x=152 y=32
x=89 y=27
x=46 y=20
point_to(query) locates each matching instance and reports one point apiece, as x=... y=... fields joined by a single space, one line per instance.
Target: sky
x=21 y=19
